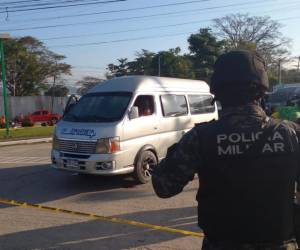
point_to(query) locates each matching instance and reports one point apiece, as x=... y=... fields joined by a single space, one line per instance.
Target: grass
x=27 y=133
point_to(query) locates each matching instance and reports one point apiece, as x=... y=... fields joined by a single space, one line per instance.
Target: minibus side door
x=174 y=120
x=141 y=128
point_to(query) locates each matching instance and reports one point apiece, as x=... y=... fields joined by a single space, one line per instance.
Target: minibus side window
x=173 y=105
x=145 y=104
x=201 y=104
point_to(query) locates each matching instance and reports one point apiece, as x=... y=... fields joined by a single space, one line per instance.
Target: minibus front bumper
x=96 y=164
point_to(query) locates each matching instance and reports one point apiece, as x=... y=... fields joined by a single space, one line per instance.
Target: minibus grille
x=82 y=147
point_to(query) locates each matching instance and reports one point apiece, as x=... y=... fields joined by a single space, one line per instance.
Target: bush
x=27 y=123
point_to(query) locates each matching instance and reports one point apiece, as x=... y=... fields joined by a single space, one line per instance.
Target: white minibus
x=126 y=124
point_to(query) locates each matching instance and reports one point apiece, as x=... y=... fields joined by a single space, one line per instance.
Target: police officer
x=247 y=163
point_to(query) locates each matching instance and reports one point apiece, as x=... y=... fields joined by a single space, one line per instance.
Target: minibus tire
x=142 y=170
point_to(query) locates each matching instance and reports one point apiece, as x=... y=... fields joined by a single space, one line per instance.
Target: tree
x=204 y=50
x=87 y=83
x=57 y=90
x=242 y=31
x=30 y=65
x=142 y=65
x=118 y=70
x=171 y=64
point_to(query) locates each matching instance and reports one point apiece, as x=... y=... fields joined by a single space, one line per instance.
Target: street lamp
x=4 y=36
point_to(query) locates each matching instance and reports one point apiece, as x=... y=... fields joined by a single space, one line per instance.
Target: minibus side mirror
x=73 y=99
x=133 y=113
x=67 y=109
x=219 y=106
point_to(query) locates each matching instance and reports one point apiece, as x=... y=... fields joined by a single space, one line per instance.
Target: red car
x=43 y=116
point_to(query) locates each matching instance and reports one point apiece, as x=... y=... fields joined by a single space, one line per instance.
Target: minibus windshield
x=99 y=107
x=284 y=94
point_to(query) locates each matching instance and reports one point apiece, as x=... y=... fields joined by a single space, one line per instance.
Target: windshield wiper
x=174 y=114
x=71 y=117
x=91 y=118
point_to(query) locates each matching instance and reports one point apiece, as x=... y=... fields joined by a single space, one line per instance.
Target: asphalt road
x=25 y=175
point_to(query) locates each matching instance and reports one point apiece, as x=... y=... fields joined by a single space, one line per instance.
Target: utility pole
x=14 y=73
x=298 y=64
x=6 y=113
x=53 y=88
x=279 y=72
x=158 y=64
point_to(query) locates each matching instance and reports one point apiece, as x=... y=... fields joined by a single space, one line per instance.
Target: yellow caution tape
x=103 y=218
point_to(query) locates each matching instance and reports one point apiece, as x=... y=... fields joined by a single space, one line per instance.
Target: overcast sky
x=91 y=39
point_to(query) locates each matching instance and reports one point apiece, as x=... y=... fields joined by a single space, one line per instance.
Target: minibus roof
x=150 y=84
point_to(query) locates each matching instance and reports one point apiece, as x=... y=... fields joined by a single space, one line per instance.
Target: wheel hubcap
x=148 y=166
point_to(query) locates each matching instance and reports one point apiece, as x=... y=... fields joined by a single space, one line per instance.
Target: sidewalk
x=22 y=142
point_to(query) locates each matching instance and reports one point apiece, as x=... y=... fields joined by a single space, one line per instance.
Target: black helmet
x=239 y=76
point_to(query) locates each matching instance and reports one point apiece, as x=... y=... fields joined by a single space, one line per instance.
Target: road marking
x=27 y=159
x=102 y=218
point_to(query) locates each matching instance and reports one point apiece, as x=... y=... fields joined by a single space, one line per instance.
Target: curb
x=22 y=142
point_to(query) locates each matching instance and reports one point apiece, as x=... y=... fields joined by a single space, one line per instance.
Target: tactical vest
x=247 y=181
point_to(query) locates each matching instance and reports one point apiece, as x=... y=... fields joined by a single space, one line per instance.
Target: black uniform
x=247 y=164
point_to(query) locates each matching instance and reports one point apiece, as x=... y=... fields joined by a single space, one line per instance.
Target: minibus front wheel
x=144 y=166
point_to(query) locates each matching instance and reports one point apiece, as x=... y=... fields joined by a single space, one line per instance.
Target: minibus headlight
x=108 y=145
x=55 y=142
